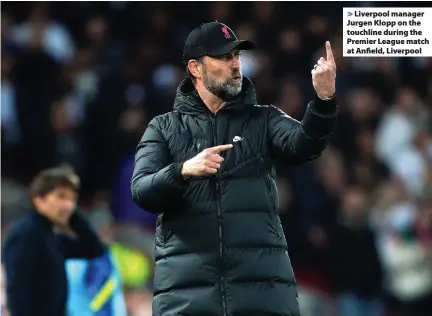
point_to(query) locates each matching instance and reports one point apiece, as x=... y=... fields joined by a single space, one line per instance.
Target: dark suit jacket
x=34 y=260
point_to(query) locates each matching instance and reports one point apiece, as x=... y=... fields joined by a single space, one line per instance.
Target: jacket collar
x=42 y=219
x=188 y=101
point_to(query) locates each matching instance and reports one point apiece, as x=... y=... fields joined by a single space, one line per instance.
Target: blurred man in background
x=207 y=169
x=36 y=248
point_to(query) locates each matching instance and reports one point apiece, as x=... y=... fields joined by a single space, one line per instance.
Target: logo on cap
x=226 y=32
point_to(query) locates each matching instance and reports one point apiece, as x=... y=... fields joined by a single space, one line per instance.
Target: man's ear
x=38 y=201
x=194 y=68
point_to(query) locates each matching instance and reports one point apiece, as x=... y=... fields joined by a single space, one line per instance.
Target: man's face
x=58 y=205
x=222 y=75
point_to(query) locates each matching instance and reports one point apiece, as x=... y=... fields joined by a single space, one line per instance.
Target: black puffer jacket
x=220 y=246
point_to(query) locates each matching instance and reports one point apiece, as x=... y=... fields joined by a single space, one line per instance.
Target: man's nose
x=69 y=205
x=236 y=63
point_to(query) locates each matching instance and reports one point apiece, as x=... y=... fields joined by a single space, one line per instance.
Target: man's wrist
x=183 y=172
x=325 y=106
x=326 y=97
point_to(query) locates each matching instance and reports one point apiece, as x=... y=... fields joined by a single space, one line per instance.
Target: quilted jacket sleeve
x=156 y=180
x=299 y=142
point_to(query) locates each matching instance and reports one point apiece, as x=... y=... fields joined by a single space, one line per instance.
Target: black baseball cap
x=212 y=39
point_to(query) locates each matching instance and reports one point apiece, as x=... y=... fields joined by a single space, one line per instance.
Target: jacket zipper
x=219 y=211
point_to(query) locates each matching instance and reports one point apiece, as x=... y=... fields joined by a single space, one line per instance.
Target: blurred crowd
x=80 y=81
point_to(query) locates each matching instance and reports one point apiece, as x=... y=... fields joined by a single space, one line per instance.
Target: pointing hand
x=206 y=162
x=324 y=75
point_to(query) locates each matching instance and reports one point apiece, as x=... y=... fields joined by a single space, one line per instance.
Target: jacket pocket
x=272 y=196
x=159 y=229
x=269 y=186
x=162 y=232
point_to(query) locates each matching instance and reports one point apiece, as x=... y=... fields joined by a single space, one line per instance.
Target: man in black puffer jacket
x=207 y=170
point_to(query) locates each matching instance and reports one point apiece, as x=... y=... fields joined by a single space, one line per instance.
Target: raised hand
x=324 y=75
x=206 y=162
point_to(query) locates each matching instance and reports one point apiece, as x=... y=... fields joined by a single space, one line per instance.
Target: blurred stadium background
x=80 y=80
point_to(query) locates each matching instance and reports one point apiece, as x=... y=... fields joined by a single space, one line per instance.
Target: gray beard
x=223 y=90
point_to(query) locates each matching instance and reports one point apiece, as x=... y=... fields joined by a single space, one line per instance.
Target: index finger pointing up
x=329 y=51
